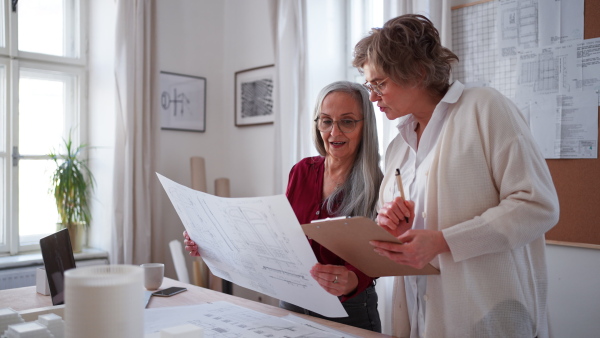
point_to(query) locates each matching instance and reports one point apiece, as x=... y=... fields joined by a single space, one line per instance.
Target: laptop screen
x=58 y=258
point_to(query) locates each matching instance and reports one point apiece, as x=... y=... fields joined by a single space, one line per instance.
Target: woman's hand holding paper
x=335 y=279
x=190 y=245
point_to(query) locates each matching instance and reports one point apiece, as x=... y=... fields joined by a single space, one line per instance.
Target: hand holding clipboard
x=349 y=239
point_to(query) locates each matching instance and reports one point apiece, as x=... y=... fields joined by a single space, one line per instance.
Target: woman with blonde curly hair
x=479 y=193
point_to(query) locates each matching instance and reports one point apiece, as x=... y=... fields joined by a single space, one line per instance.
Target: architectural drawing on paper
x=256 y=243
x=225 y=320
x=251 y=230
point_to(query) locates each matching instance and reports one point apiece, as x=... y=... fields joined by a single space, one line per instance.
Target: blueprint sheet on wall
x=533 y=52
x=253 y=242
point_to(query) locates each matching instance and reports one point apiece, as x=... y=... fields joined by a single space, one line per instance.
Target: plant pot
x=76 y=232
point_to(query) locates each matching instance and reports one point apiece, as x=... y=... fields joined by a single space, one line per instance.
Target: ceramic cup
x=153 y=275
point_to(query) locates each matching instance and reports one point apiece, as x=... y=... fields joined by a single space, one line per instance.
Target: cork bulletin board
x=577 y=181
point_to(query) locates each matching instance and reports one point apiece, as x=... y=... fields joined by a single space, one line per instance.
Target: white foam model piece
x=27 y=330
x=41 y=282
x=182 y=331
x=104 y=301
x=8 y=317
x=54 y=323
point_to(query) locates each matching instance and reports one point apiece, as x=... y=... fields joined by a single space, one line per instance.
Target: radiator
x=25 y=276
x=17 y=278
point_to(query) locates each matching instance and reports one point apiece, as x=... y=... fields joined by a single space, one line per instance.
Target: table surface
x=27 y=299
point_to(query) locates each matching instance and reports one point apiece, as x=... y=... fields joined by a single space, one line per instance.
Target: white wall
x=214 y=39
x=574 y=291
x=190 y=41
x=248 y=44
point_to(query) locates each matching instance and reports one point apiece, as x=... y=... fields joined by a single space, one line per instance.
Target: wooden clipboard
x=349 y=239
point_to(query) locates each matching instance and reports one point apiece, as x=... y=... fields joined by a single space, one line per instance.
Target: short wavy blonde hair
x=408 y=50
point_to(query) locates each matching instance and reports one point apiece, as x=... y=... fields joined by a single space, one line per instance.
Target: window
x=362 y=16
x=42 y=87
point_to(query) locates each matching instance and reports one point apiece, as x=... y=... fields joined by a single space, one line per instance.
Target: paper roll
x=198 y=173
x=222 y=187
x=199 y=183
x=221 y=190
x=197 y=274
x=104 y=301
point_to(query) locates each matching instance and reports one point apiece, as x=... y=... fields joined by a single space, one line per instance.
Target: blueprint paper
x=224 y=320
x=549 y=70
x=517 y=26
x=533 y=52
x=310 y=323
x=566 y=126
x=560 y=21
x=254 y=242
x=588 y=59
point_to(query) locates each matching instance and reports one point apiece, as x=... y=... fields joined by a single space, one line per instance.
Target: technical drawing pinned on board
x=565 y=126
x=254 y=242
x=549 y=70
x=560 y=21
x=517 y=26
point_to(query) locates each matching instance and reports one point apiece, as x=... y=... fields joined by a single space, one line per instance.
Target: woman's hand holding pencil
x=395 y=216
x=401 y=189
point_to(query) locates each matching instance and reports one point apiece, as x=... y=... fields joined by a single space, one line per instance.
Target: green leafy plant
x=72 y=184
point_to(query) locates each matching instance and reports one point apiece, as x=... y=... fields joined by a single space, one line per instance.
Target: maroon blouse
x=305 y=191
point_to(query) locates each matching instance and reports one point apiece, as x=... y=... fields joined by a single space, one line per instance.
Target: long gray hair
x=359 y=193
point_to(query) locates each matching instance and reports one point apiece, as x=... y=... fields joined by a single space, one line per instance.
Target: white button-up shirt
x=414 y=173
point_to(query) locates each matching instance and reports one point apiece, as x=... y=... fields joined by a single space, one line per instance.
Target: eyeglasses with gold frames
x=376 y=88
x=325 y=124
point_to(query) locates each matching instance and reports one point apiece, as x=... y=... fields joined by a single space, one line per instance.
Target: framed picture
x=254 y=96
x=182 y=102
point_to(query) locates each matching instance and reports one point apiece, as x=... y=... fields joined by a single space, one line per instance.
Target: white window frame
x=14 y=61
x=4 y=8
x=5 y=231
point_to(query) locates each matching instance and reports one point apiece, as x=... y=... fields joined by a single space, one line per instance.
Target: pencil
x=401 y=188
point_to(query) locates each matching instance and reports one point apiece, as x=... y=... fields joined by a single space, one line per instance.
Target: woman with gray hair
x=343 y=181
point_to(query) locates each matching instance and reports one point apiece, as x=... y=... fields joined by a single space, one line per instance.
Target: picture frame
x=254 y=96
x=182 y=102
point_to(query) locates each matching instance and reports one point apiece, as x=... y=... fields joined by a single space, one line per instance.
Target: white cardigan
x=490 y=192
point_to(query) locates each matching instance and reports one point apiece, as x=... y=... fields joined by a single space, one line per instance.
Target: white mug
x=153 y=275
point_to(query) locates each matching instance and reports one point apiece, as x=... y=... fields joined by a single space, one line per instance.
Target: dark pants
x=362 y=311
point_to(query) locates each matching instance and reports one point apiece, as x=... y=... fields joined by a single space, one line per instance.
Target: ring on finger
x=335 y=280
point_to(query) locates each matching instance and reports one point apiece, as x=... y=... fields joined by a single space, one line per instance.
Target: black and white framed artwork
x=254 y=96
x=182 y=102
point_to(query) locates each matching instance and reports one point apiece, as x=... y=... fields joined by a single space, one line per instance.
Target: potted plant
x=72 y=184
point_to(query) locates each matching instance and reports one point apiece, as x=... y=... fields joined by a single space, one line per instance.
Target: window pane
x=37 y=209
x=3 y=108
x=47 y=26
x=2 y=204
x=3 y=155
x=45 y=109
x=2 y=24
